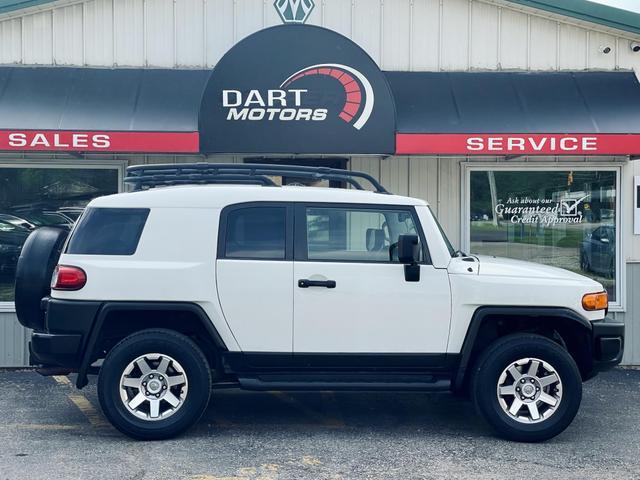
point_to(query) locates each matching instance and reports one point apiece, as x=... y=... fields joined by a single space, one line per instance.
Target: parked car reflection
x=17 y=221
x=598 y=251
x=46 y=218
x=11 y=239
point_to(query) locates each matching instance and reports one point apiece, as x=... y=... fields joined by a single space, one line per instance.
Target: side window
x=357 y=235
x=108 y=231
x=256 y=233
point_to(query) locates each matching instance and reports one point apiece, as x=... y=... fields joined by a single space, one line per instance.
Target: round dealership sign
x=297 y=89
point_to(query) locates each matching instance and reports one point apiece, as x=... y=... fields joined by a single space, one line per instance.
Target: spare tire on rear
x=37 y=261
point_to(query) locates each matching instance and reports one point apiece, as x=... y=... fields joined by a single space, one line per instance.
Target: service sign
x=517 y=144
x=297 y=89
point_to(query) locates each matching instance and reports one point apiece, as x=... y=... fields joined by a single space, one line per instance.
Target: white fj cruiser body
x=183 y=288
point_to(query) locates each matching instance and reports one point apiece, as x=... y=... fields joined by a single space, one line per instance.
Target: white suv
x=170 y=292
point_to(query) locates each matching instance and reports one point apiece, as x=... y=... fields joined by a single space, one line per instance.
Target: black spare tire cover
x=37 y=261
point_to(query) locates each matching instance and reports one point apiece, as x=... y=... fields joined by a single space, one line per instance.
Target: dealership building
x=517 y=120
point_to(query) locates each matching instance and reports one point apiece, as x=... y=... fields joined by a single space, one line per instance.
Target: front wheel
x=154 y=384
x=527 y=387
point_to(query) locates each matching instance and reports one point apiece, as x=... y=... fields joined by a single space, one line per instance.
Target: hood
x=508 y=267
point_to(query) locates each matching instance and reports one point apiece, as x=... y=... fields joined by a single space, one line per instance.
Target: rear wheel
x=154 y=384
x=527 y=387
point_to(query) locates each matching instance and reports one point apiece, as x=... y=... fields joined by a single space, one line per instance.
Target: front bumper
x=66 y=329
x=607 y=344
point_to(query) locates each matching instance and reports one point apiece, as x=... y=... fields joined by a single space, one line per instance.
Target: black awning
x=508 y=102
x=437 y=112
x=85 y=99
x=460 y=113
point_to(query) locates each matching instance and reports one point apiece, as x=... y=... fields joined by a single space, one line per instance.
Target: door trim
x=252 y=362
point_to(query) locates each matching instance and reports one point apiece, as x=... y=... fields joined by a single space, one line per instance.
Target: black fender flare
x=109 y=307
x=482 y=313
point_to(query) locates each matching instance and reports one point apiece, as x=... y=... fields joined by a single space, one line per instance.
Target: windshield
x=452 y=251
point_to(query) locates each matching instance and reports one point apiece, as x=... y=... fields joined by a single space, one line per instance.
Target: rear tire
x=527 y=387
x=154 y=384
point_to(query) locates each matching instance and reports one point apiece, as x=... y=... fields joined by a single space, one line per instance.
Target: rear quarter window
x=108 y=231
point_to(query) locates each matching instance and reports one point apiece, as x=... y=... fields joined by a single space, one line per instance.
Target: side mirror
x=408 y=249
x=409 y=254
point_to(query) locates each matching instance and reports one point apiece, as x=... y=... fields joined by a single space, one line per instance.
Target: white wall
x=398 y=34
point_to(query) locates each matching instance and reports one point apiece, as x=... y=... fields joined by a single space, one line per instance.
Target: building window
x=340 y=163
x=563 y=218
x=32 y=197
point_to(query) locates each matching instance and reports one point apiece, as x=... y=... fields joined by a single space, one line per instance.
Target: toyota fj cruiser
x=170 y=292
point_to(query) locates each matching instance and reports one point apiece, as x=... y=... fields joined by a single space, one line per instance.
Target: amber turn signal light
x=595 y=301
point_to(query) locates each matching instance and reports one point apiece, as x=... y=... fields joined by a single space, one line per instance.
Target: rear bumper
x=66 y=329
x=608 y=344
x=60 y=350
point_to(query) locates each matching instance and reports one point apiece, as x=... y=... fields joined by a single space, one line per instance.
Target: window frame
x=80 y=164
x=301 y=249
x=223 y=227
x=619 y=305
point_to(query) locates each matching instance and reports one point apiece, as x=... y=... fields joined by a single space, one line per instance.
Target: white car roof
x=219 y=196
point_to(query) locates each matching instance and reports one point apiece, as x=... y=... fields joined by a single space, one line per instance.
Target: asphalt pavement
x=49 y=430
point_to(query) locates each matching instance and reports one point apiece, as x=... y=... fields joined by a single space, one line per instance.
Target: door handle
x=306 y=283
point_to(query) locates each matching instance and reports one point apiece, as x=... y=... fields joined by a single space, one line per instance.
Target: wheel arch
x=117 y=320
x=562 y=325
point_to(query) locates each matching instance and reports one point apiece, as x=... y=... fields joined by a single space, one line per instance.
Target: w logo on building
x=294 y=11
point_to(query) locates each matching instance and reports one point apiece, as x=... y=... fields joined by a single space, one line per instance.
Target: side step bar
x=407 y=383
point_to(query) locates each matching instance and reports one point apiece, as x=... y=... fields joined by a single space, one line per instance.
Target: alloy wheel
x=529 y=390
x=153 y=386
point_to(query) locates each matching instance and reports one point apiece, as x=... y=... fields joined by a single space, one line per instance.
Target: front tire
x=154 y=384
x=527 y=387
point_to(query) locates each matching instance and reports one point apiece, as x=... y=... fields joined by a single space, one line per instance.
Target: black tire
x=34 y=270
x=500 y=355
x=166 y=342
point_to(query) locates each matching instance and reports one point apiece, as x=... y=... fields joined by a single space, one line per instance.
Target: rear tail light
x=595 y=301
x=68 y=278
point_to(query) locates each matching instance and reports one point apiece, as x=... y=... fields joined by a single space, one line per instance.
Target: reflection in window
x=36 y=197
x=566 y=219
x=340 y=234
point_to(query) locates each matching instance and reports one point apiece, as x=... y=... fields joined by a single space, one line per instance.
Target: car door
x=254 y=272
x=350 y=292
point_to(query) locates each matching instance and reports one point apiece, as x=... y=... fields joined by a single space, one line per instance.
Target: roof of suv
x=218 y=196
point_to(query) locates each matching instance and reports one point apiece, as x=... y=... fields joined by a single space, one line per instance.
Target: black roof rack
x=150 y=176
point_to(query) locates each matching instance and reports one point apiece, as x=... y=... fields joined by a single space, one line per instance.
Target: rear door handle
x=306 y=283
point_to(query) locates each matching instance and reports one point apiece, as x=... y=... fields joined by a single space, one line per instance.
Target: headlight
x=595 y=301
